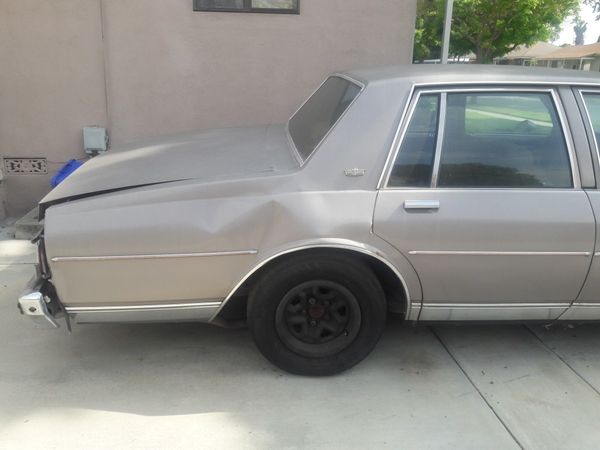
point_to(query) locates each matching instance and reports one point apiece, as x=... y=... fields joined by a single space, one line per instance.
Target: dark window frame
x=584 y=109
x=433 y=130
x=249 y=9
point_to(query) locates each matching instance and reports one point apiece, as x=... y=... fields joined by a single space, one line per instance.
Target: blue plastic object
x=65 y=171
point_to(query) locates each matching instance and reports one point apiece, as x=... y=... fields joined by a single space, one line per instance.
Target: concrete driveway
x=176 y=386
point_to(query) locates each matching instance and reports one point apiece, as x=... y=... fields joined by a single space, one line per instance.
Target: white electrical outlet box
x=95 y=140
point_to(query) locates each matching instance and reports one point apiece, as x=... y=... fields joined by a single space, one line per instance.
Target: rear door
x=587 y=305
x=484 y=198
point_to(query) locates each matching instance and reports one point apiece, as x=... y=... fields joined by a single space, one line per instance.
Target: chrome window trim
x=506 y=83
x=356 y=247
x=494 y=253
x=156 y=256
x=439 y=144
x=588 y=116
x=403 y=128
x=297 y=154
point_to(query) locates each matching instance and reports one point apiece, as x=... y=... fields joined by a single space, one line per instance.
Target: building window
x=253 y=6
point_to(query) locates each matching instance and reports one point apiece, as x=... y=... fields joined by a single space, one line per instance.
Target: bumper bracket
x=32 y=303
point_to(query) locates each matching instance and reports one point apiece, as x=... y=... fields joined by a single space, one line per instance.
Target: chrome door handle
x=421 y=204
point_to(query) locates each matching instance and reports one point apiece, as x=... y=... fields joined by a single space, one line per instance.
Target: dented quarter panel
x=242 y=209
x=142 y=223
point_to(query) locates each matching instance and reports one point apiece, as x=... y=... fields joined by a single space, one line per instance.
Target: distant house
x=542 y=54
x=527 y=56
x=581 y=57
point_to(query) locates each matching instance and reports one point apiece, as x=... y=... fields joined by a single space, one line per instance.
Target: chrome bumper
x=32 y=302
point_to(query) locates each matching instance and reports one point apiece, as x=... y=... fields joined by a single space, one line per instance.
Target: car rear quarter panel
x=168 y=222
x=313 y=206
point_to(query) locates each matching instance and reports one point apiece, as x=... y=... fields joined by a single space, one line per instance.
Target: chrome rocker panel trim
x=464 y=312
x=176 y=312
x=582 y=312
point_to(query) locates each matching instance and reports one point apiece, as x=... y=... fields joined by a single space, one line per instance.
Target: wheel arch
x=391 y=279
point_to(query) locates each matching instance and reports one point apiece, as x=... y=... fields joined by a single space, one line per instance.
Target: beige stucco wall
x=169 y=69
x=51 y=85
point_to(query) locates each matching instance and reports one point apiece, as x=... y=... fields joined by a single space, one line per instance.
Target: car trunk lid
x=209 y=155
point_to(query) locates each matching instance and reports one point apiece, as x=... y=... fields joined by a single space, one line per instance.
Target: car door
x=587 y=305
x=483 y=196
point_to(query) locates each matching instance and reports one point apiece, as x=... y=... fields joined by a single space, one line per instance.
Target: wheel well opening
x=234 y=310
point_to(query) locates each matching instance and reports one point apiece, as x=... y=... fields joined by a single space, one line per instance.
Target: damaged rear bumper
x=37 y=303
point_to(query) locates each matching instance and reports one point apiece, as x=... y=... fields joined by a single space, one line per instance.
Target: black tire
x=342 y=301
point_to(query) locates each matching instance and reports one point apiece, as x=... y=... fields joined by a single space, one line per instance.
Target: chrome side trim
x=158 y=307
x=181 y=312
x=157 y=256
x=495 y=305
x=582 y=312
x=415 y=311
x=494 y=253
x=344 y=245
x=465 y=312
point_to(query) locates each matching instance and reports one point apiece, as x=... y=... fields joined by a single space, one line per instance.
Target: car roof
x=471 y=73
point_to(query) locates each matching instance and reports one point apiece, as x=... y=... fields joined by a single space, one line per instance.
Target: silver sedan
x=458 y=193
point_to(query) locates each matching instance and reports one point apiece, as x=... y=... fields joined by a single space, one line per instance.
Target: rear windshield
x=319 y=114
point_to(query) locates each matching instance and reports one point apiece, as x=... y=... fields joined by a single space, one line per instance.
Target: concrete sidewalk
x=193 y=386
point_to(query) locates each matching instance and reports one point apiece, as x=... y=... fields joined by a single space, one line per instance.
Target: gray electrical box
x=95 y=140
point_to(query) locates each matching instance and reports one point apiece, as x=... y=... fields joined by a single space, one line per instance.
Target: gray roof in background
x=470 y=73
x=535 y=51
x=575 y=52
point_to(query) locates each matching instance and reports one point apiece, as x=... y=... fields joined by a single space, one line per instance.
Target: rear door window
x=592 y=103
x=414 y=164
x=503 y=140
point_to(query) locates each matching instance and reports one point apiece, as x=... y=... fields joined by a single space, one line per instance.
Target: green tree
x=579 y=27
x=491 y=28
x=428 y=30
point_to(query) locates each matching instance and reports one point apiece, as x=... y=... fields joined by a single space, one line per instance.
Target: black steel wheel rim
x=318 y=318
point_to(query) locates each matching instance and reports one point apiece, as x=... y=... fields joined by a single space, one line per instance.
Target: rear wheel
x=317 y=315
